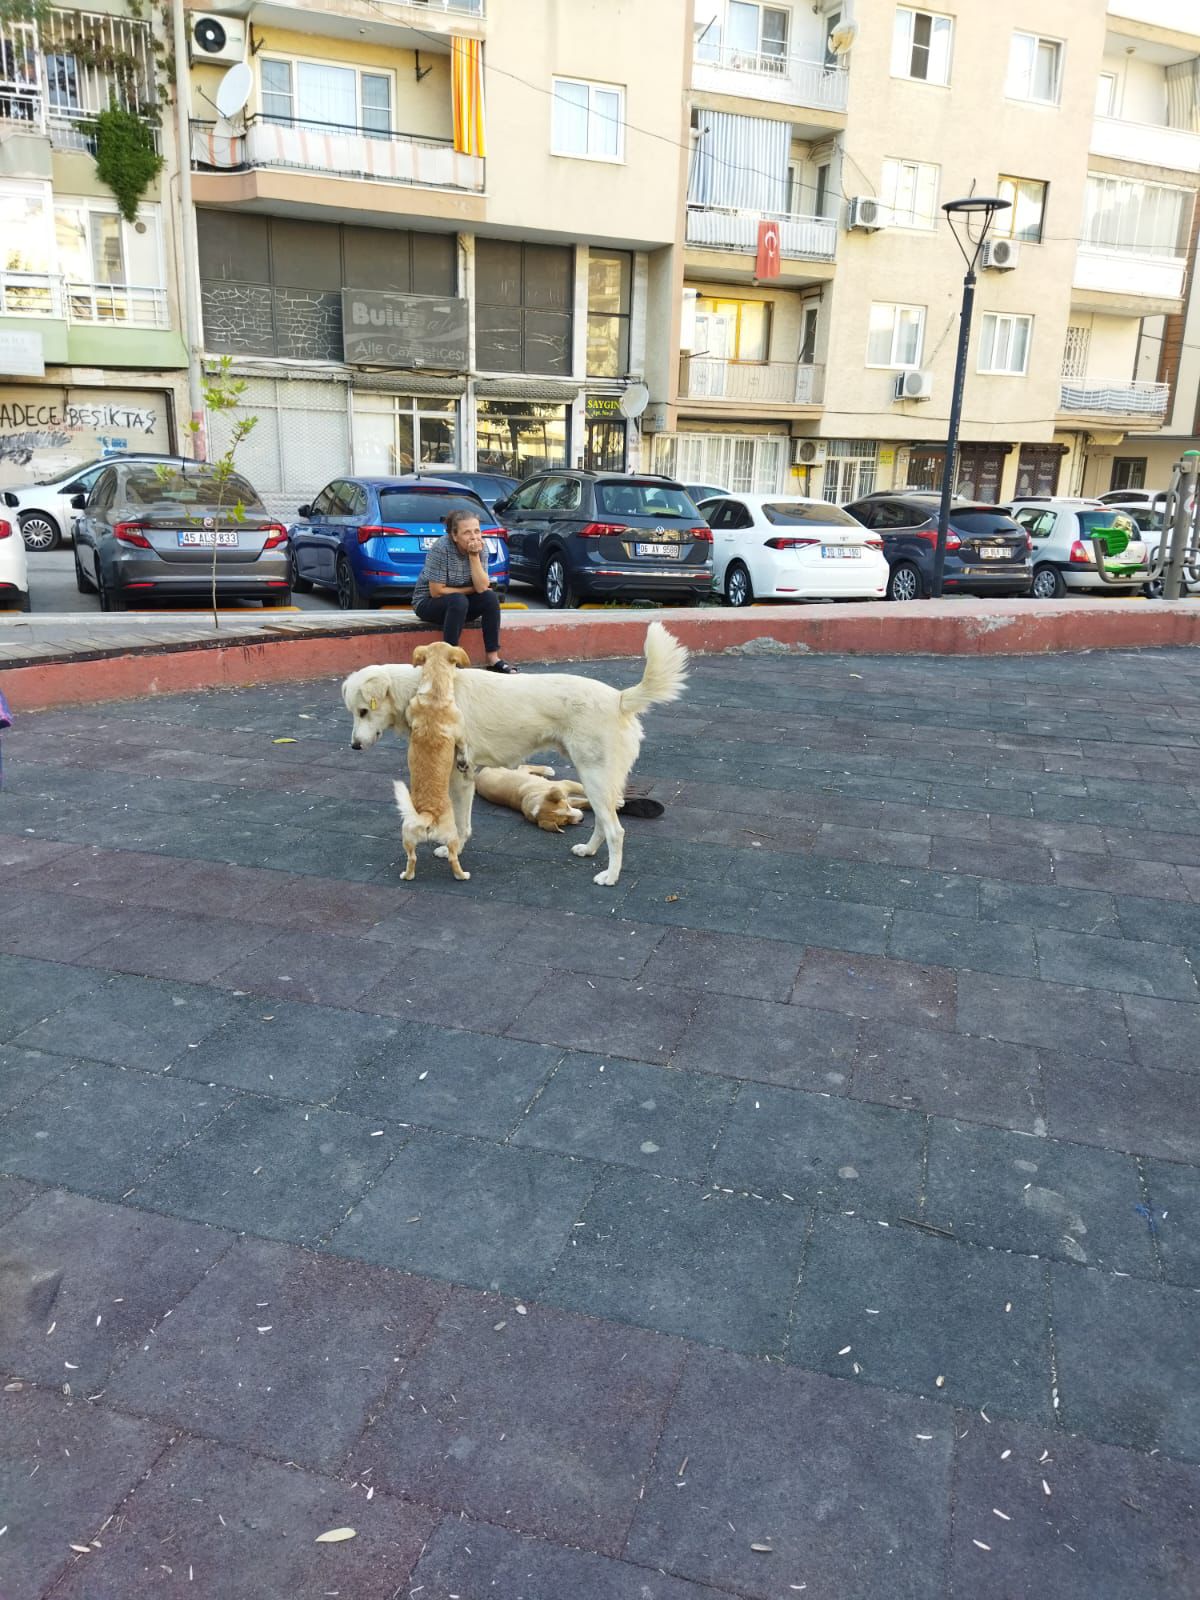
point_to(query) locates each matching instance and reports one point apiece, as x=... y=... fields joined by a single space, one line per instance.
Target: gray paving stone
x=1119 y=1106
x=1174 y=1203
x=1159 y=921
x=428 y=986
x=1049 y=906
x=676 y=900
x=681 y=1259
x=320 y=968
x=872 y=844
x=466 y=1557
x=874 y=986
x=984 y=858
x=1056 y=1016
x=949 y=1075
x=1156 y=880
x=232 y=1525
x=829 y=923
x=280 y=1351
x=1126 y=1353
x=612 y=947
x=1165 y=1033
x=611 y=1015
x=796 y=1046
x=849 y=1487
x=31 y=990
x=724 y=963
x=1117 y=964
x=100 y=1276
x=468 y=1212
x=15 y=1195
x=814 y=1147
x=295 y=1052
x=1037 y=1196
x=544 y=1421
x=273 y=1169
x=1115 y=1524
x=167 y=944
x=941 y=1313
x=101 y=1129
x=629 y=1113
x=133 y=1022
x=64 y=1467
x=59 y=927
x=23 y=1073
x=1004 y=947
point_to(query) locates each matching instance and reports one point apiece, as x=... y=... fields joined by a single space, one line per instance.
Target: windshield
x=796 y=513
x=189 y=489
x=643 y=500
x=428 y=505
x=1089 y=521
x=1149 y=521
x=983 y=522
x=75 y=472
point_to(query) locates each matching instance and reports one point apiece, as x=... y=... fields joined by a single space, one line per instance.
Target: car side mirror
x=75 y=488
x=304 y=511
x=501 y=507
x=78 y=501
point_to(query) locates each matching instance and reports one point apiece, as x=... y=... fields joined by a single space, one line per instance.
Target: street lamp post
x=985 y=207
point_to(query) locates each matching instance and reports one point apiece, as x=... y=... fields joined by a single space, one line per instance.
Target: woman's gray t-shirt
x=444 y=563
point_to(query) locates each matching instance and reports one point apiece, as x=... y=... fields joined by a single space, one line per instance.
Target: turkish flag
x=766 y=263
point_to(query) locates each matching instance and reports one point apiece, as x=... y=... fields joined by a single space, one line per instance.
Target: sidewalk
x=816 y=1213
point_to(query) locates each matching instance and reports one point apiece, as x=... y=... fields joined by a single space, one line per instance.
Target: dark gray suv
x=607 y=535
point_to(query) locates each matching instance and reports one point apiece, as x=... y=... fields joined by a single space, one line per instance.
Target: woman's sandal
x=501 y=666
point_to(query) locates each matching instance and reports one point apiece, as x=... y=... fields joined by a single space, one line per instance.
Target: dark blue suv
x=987 y=553
x=366 y=538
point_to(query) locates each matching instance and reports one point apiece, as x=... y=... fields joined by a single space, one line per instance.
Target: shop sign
x=380 y=329
x=604 y=405
x=48 y=430
x=21 y=354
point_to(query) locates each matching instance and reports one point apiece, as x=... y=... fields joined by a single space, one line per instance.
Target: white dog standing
x=509 y=718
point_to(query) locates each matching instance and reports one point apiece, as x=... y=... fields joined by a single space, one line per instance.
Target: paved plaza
x=816 y=1213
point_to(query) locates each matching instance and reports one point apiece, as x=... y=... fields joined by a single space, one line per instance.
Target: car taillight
x=702 y=532
x=1028 y=544
x=789 y=544
x=370 y=531
x=495 y=533
x=873 y=544
x=1080 y=554
x=5 y=530
x=276 y=535
x=953 y=542
x=602 y=530
x=131 y=533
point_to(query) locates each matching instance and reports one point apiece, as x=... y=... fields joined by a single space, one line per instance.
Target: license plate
x=205 y=538
x=429 y=540
x=663 y=552
x=840 y=552
x=995 y=552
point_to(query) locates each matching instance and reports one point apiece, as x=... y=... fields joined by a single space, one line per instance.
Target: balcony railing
x=51 y=78
x=1147 y=142
x=1127 y=272
x=32 y=294
x=773 y=382
x=1106 y=397
x=770 y=76
x=337 y=150
x=724 y=228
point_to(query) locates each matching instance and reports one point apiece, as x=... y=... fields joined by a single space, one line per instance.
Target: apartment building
x=846 y=127
x=91 y=354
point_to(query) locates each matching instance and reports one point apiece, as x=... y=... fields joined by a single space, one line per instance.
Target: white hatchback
x=1065 y=534
x=45 y=515
x=14 y=569
x=785 y=547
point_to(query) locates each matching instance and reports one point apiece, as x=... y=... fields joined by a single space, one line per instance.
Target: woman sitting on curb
x=454 y=587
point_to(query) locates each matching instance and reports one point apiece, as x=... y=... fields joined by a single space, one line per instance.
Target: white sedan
x=784 y=547
x=14 y=574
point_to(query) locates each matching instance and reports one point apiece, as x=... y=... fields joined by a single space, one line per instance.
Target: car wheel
x=299 y=584
x=904 y=583
x=110 y=599
x=81 y=583
x=275 y=602
x=40 y=532
x=556 y=583
x=738 y=589
x=1047 y=584
x=349 y=595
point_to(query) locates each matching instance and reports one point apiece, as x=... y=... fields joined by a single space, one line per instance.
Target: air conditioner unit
x=914 y=385
x=1001 y=255
x=217 y=39
x=867 y=214
x=808 y=452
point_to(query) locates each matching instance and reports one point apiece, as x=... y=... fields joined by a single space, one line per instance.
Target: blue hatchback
x=366 y=538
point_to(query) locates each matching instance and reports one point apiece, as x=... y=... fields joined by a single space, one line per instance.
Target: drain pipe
x=191 y=288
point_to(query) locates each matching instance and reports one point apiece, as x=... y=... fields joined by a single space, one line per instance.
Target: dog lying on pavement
x=598 y=728
x=436 y=748
x=552 y=803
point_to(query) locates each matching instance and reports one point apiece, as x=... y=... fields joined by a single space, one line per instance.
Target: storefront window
x=741 y=463
x=523 y=302
x=404 y=433
x=519 y=437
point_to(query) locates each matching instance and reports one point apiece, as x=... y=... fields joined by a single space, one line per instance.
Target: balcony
x=333 y=150
x=774 y=383
x=1135 y=279
x=1157 y=146
x=761 y=75
x=1113 y=399
x=27 y=294
x=726 y=228
x=53 y=76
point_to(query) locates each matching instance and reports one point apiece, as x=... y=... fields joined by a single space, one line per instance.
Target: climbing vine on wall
x=125 y=157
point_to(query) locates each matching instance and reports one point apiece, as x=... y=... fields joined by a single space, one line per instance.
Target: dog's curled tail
x=665 y=674
x=408 y=812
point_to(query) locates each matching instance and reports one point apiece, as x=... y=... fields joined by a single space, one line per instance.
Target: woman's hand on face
x=474 y=544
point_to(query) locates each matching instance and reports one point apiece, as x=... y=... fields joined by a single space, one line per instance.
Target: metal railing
x=336 y=149
x=779 y=382
x=45 y=294
x=474 y=8
x=1104 y=397
x=728 y=228
x=51 y=76
x=30 y=294
x=810 y=83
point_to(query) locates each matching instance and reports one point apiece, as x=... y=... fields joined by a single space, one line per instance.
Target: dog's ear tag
x=374 y=705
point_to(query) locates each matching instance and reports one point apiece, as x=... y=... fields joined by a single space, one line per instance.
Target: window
x=1034 y=69
x=402 y=433
x=314 y=94
x=588 y=120
x=799 y=513
x=114 y=269
x=26 y=250
x=756 y=37
x=742 y=463
x=1026 y=216
x=896 y=335
x=821 y=196
x=1004 y=343
x=809 y=321
x=732 y=330
x=850 y=469
x=1106 y=94
x=910 y=192
x=62 y=84
x=523 y=299
x=559 y=494
x=921 y=45
x=405 y=506
x=1128 y=472
x=609 y=277
x=519 y=437
x=1127 y=214
x=641 y=500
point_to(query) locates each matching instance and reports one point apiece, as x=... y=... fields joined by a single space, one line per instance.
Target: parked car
x=1064 y=533
x=986 y=552
x=14 y=570
x=147 y=532
x=580 y=535
x=366 y=538
x=781 y=547
x=45 y=512
x=704 y=491
x=1131 y=497
x=489 y=486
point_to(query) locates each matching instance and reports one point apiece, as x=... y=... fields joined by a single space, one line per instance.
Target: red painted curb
x=946 y=627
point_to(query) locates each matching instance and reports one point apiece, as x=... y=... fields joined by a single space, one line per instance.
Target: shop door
x=979 y=474
x=925 y=468
x=1037 y=472
x=604 y=450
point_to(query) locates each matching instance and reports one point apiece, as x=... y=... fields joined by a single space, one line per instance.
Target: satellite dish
x=842 y=38
x=634 y=401
x=233 y=91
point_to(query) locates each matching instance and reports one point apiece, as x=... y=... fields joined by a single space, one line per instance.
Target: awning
x=544 y=389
